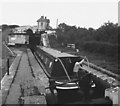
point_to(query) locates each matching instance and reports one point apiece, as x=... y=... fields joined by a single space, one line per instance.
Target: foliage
x=53 y=41
x=13 y=26
x=105 y=48
x=4 y=27
x=29 y=32
x=103 y=40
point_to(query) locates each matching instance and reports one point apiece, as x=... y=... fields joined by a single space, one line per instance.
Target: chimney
x=42 y=17
x=57 y=24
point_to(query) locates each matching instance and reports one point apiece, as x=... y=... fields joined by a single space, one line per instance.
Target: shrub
x=102 y=48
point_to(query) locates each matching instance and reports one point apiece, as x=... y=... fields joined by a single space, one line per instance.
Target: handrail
x=85 y=58
x=87 y=61
x=64 y=69
x=13 y=54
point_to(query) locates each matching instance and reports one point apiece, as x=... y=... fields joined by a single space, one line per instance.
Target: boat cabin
x=59 y=66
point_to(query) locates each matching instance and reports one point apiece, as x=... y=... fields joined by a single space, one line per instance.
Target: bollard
x=7 y=66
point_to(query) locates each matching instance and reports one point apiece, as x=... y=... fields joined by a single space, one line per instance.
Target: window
x=41 y=23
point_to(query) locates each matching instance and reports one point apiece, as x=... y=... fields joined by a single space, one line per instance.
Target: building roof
x=42 y=19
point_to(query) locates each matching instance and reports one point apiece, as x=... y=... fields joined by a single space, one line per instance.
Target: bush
x=4 y=27
x=53 y=41
x=101 y=47
x=103 y=40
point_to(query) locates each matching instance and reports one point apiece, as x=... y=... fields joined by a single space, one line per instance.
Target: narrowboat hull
x=65 y=80
x=54 y=70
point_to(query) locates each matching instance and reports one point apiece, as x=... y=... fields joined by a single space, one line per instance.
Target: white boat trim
x=73 y=87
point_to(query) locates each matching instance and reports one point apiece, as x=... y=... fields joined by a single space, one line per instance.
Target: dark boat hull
x=54 y=70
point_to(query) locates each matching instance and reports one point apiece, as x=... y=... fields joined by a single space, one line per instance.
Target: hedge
x=101 y=47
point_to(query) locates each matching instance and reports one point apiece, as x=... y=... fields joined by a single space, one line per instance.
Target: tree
x=29 y=32
x=4 y=27
x=13 y=26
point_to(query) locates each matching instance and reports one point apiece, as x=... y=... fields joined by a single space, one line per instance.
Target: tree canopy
x=106 y=35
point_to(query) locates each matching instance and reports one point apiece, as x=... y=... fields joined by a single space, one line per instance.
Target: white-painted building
x=45 y=40
x=21 y=29
x=17 y=39
x=43 y=23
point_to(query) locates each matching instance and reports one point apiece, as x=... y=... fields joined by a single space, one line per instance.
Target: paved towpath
x=24 y=88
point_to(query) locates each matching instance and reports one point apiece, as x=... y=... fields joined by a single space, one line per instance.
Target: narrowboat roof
x=56 y=53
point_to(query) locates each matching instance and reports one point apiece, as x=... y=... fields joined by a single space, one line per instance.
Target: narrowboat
x=59 y=67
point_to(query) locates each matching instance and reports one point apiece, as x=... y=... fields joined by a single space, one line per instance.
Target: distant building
x=34 y=28
x=43 y=23
x=17 y=39
x=45 y=40
x=21 y=29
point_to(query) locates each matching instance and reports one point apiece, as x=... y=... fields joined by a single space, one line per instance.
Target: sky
x=81 y=13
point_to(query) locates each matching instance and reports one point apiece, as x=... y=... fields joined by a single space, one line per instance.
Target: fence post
x=7 y=66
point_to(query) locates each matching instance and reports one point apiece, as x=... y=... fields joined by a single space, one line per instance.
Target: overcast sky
x=82 y=13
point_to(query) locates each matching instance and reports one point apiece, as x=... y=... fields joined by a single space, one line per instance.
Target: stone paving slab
x=34 y=100
x=8 y=79
x=24 y=89
x=41 y=78
x=12 y=98
x=14 y=95
x=104 y=77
